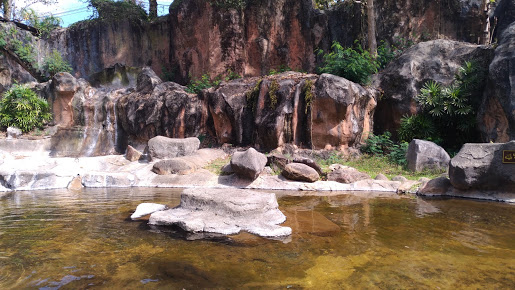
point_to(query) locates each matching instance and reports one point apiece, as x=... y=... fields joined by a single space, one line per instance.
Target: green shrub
x=55 y=63
x=205 y=82
x=382 y=145
x=22 y=108
x=353 y=64
x=44 y=25
x=109 y=10
x=387 y=52
x=25 y=52
x=419 y=126
x=272 y=93
x=448 y=112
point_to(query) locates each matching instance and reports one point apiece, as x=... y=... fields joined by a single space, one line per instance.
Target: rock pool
x=52 y=239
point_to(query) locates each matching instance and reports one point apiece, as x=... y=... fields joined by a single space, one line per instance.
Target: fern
x=20 y=107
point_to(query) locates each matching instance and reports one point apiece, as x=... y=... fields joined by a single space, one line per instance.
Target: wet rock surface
x=225 y=211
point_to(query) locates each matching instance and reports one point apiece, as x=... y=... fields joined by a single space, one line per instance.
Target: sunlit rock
x=163 y=147
x=146 y=208
x=300 y=172
x=225 y=211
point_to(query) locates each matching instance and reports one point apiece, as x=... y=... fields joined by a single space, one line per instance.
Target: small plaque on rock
x=508 y=156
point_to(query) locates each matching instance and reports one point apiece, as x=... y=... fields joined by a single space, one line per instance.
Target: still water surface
x=76 y=240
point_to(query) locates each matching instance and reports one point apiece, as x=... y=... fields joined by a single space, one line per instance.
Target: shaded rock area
x=300 y=172
x=225 y=211
x=248 y=164
x=424 y=154
x=497 y=112
x=403 y=78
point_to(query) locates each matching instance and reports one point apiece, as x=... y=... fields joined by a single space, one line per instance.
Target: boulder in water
x=225 y=211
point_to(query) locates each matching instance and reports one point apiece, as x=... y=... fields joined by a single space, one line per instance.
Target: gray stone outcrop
x=300 y=172
x=480 y=166
x=187 y=164
x=225 y=211
x=424 y=154
x=161 y=147
x=248 y=164
x=346 y=174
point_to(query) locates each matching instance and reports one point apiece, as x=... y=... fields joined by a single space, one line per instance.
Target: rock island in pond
x=225 y=211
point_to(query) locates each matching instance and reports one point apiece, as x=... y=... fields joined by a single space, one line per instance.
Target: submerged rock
x=146 y=208
x=225 y=211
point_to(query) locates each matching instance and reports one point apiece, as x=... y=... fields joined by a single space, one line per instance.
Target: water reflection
x=53 y=239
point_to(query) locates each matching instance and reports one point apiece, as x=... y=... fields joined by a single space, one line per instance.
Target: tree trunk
x=485 y=34
x=152 y=10
x=372 y=43
x=8 y=5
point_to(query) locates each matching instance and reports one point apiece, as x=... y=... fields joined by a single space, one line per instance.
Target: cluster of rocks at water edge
x=477 y=171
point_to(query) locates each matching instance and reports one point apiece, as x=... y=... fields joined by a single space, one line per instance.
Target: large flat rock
x=225 y=211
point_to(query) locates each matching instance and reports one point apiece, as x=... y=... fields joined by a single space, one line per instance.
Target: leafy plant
x=22 y=108
x=55 y=63
x=353 y=64
x=419 y=126
x=44 y=25
x=25 y=52
x=307 y=90
x=205 y=82
x=387 y=52
x=253 y=95
x=272 y=93
x=109 y=10
x=382 y=145
x=451 y=109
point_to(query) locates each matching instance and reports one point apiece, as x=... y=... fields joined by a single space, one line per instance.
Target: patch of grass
x=373 y=165
x=216 y=166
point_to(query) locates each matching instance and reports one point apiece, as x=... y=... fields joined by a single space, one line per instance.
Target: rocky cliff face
x=497 y=114
x=307 y=110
